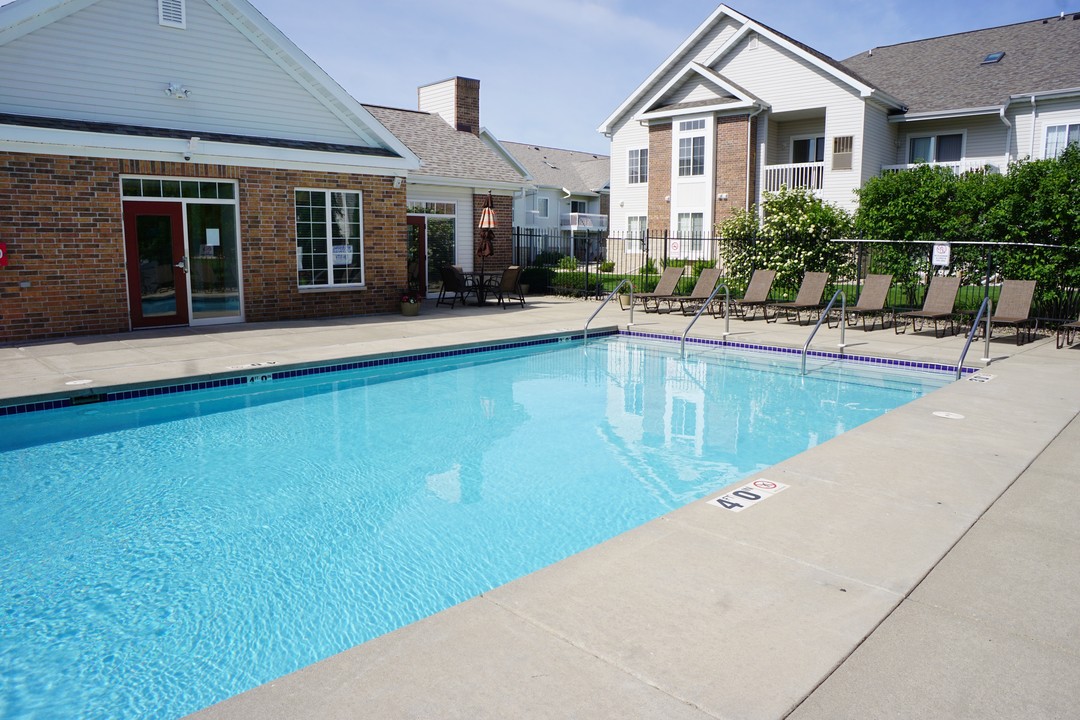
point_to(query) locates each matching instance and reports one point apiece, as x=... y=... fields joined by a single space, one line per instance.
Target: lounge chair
x=703 y=288
x=756 y=296
x=508 y=289
x=871 y=304
x=1014 y=308
x=938 y=306
x=808 y=298
x=1066 y=333
x=664 y=288
x=455 y=286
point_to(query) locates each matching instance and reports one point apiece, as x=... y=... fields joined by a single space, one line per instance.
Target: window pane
x=131 y=188
x=948 y=147
x=919 y=150
x=800 y=151
x=225 y=191
x=819 y=149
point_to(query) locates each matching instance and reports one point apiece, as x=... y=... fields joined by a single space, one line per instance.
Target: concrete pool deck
x=916 y=566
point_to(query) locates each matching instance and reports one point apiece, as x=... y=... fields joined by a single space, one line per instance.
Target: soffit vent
x=171 y=13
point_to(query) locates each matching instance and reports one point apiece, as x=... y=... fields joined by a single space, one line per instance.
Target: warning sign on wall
x=3 y=254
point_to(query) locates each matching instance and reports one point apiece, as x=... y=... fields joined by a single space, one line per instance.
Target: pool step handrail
x=625 y=281
x=727 y=315
x=987 y=308
x=822 y=318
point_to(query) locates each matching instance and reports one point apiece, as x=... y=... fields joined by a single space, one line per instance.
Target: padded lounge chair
x=756 y=296
x=1066 y=334
x=508 y=288
x=454 y=285
x=1014 y=308
x=939 y=306
x=808 y=298
x=871 y=304
x=669 y=280
x=703 y=288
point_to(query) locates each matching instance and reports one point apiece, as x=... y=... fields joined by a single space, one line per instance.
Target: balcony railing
x=960 y=166
x=583 y=221
x=806 y=176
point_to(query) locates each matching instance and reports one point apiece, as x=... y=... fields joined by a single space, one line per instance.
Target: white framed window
x=638 y=165
x=1058 y=137
x=636 y=228
x=808 y=149
x=698 y=124
x=542 y=207
x=329 y=238
x=579 y=206
x=692 y=156
x=936 y=148
x=690 y=225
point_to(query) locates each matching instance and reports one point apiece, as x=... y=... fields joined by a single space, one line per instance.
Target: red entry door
x=157 y=263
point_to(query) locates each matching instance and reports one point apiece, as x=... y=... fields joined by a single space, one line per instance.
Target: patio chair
x=756 y=296
x=454 y=287
x=664 y=288
x=508 y=289
x=1066 y=333
x=1014 y=308
x=690 y=302
x=871 y=304
x=808 y=298
x=939 y=306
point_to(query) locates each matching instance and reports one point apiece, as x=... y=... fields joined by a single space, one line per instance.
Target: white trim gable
x=727 y=90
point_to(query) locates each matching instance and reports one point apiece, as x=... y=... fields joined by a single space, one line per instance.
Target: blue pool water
x=159 y=555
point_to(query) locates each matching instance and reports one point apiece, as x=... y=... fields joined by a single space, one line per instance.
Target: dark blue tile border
x=282 y=374
x=436 y=354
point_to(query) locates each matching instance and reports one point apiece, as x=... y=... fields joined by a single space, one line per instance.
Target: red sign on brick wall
x=3 y=254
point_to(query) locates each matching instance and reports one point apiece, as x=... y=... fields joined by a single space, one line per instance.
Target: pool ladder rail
x=986 y=308
x=585 y=334
x=704 y=305
x=822 y=318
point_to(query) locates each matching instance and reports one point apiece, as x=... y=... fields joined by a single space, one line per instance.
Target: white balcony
x=583 y=221
x=804 y=176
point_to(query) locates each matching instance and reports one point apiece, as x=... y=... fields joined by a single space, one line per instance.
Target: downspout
x=1031 y=149
x=748 y=136
x=1008 y=134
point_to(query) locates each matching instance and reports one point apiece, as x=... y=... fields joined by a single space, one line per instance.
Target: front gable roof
x=948 y=73
x=680 y=62
x=64 y=63
x=726 y=95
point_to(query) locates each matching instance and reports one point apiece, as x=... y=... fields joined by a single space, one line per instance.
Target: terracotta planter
x=410 y=309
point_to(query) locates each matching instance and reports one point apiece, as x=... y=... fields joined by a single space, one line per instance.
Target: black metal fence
x=592 y=264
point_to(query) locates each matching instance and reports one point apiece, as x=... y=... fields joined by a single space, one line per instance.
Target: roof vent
x=993 y=58
x=171 y=13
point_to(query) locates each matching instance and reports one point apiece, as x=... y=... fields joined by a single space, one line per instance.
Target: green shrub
x=539 y=279
x=549 y=258
x=567 y=263
x=607 y=266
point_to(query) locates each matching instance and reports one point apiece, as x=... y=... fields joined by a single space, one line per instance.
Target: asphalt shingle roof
x=945 y=73
x=444 y=151
x=578 y=172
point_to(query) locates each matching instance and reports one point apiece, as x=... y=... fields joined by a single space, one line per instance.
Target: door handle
x=183 y=264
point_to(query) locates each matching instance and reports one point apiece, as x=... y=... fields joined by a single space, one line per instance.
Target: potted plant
x=410 y=302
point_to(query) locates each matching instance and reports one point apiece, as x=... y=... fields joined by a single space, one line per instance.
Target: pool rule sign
x=750 y=494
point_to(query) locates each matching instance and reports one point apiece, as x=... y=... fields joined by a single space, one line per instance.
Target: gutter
x=1031 y=149
x=1009 y=132
x=750 y=119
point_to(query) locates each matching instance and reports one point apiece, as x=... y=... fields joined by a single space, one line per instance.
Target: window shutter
x=171 y=13
x=841 y=152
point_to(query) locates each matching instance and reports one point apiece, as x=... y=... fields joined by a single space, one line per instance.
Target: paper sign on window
x=343 y=254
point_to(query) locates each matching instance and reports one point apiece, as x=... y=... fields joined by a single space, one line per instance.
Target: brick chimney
x=457 y=101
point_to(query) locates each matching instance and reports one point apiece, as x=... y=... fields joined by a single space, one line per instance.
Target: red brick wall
x=659 y=177
x=731 y=133
x=62 y=220
x=503 y=205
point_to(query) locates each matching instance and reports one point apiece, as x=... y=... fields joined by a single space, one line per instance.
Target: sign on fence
x=941 y=254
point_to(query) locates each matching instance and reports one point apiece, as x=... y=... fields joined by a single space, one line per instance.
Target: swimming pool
x=163 y=553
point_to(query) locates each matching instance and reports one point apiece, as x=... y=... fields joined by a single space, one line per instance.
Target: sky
x=551 y=71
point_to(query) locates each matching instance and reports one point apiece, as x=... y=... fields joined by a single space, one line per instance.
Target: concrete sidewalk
x=916 y=567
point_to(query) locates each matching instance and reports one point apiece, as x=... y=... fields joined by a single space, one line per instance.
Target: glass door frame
x=182 y=203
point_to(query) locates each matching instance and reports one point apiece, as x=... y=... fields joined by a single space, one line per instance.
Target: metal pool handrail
x=821 y=319
x=727 y=315
x=987 y=307
x=625 y=281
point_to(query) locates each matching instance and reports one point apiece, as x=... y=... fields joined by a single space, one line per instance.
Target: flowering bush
x=411 y=296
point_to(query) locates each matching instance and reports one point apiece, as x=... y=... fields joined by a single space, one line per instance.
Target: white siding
x=439 y=99
x=878 y=142
x=783 y=133
x=626 y=199
x=112 y=61
x=1049 y=113
x=693 y=91
x=984 y=138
